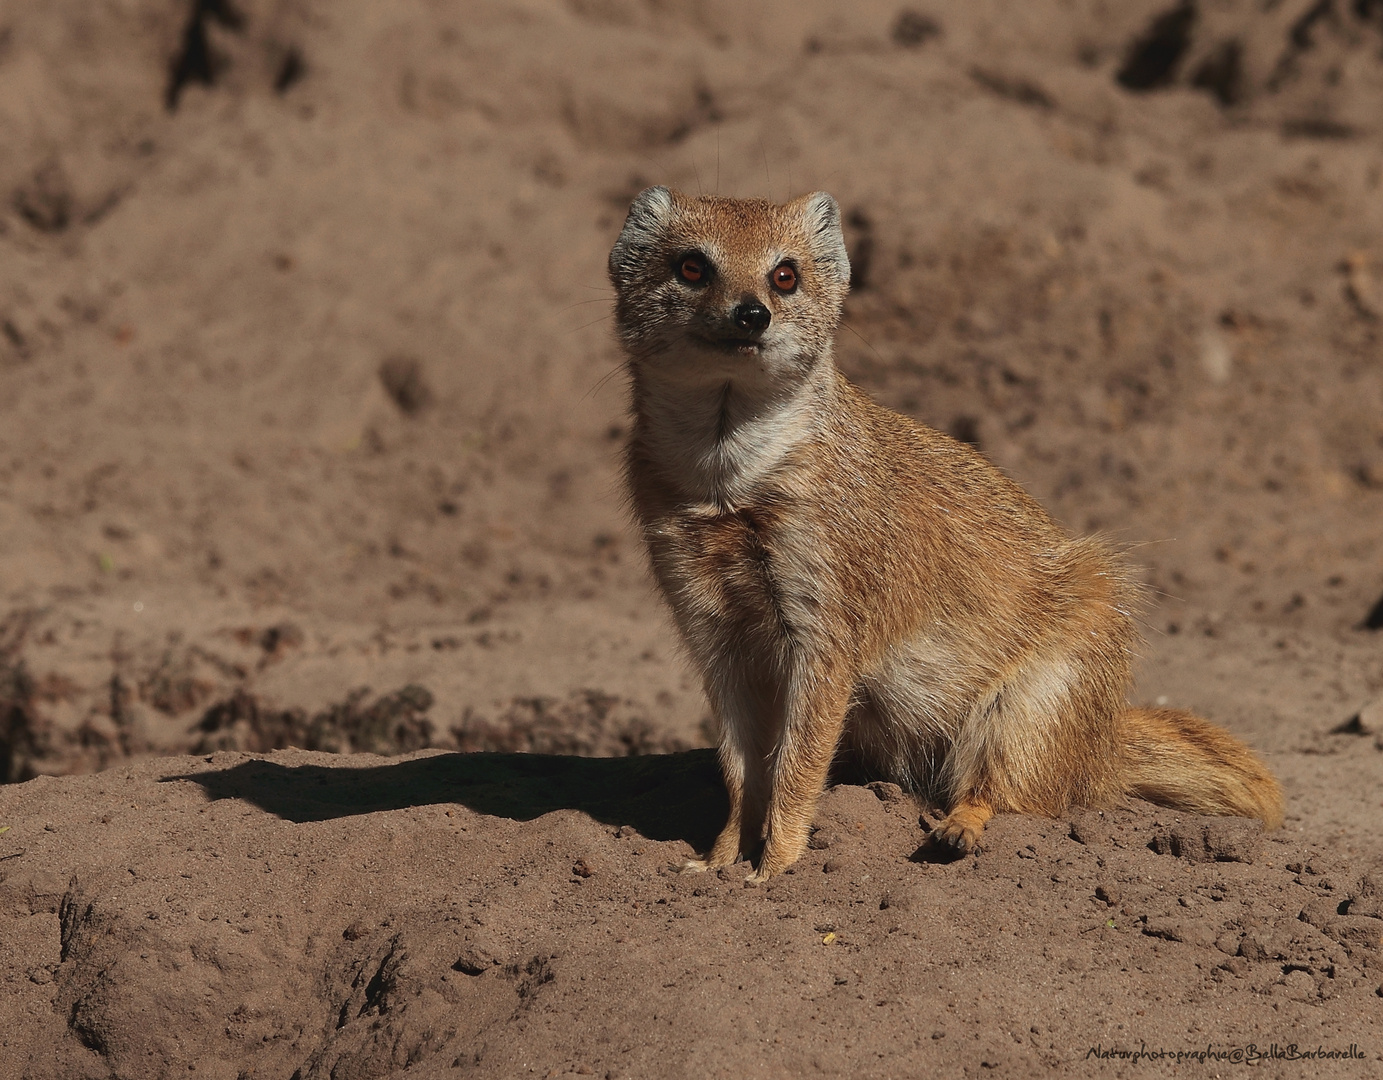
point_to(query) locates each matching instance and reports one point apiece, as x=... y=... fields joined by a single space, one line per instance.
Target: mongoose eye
x=784 y=278
x=693 y=268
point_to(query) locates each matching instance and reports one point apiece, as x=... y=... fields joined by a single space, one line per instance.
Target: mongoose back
x=850 y=581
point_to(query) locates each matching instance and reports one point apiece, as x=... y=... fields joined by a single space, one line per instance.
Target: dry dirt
x=310 y=418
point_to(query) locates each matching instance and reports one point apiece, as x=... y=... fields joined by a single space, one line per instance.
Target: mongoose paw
x=961 y=837
x=695 y=866
x=758 y=877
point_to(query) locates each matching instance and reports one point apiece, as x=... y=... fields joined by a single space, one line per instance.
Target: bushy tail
x=1179 y=760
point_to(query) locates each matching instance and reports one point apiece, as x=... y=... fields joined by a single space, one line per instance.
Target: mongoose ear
x=822 y=217
x=643 y=228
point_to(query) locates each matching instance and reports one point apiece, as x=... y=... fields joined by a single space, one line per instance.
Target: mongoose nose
x=752 y=317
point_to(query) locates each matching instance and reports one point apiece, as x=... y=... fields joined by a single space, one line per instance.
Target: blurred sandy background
x=309 y=386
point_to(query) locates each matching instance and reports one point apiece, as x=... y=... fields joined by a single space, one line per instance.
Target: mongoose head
x=713 y=290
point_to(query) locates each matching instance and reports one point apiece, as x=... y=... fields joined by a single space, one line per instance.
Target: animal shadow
x=664 y=796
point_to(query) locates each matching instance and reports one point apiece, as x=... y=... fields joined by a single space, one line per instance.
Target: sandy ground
x=310 y=418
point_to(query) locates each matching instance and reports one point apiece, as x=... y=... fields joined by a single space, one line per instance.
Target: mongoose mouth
x=735 y=346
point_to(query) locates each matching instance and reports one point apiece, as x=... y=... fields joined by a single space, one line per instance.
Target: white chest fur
x=714 y=442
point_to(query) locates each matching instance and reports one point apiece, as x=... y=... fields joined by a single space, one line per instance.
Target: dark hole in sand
x=912 y=29
x=861 y=242
x=197 y=61
x=290 y=71
x=1222 y=73
x=403 y=380
x=1302 y=30
x=1316 y=128
x=965 y=428
x=1020 y=91
x=1374 y=619
x=1152 y=59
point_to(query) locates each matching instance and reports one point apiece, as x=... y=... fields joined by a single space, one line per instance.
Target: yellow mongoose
x=849 y=580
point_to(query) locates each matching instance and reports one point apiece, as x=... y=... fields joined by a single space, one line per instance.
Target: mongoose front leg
x=739 y=838
x=733 y=843
x=809 y=742
x=744 y=771
x=962 y=827
x=726 y=850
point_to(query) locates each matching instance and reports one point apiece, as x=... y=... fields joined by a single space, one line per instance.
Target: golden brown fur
x=846 y=579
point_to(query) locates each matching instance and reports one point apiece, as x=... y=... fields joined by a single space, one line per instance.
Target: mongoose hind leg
x=1037 y=741
x=962 y=827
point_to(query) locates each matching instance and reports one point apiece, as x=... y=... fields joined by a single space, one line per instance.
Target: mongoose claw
x=959 y=837
x=960 y=829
